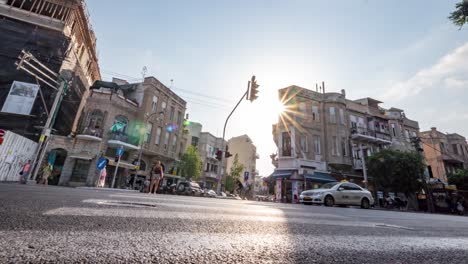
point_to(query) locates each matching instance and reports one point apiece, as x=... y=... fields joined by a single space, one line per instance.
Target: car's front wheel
x=329 y=201
x=365 y=204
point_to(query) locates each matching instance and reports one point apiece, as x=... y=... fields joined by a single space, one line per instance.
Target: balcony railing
x=124 y=137
x=95 y=132
x=370 y=135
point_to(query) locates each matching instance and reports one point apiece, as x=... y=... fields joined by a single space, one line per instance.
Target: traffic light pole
x=224 y=135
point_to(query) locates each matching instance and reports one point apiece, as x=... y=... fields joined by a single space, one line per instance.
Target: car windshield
x=329 y=185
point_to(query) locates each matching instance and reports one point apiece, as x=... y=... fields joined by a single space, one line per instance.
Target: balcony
x=91 y=134
x=370 y=136
x=357 y=164
x=117 y=139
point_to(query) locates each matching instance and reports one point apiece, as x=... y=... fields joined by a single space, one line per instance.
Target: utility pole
x=250 y=94
x=42 y=72
x=364 y=169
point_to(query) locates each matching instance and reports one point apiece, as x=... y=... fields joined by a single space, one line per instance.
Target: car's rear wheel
x=329 y=201
x=365 y=204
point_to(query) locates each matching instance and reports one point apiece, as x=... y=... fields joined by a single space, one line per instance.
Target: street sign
x=120 y=151
x=246 y=175
x=102 y=162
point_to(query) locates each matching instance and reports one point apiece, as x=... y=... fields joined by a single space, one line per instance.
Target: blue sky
x=405 y=53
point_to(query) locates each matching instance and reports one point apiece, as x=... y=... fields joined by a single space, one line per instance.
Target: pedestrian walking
x=25 y=172
x=102 y=178
x=46 y=172
x=157 y=174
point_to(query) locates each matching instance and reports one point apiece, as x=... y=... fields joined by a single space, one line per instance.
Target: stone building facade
x=444 y=153
x=247 y=153
x=324 y=137
x=208 y=146
x=145 y=119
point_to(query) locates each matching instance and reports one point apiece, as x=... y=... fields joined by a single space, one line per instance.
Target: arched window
x=96 y=119
x=120 y=124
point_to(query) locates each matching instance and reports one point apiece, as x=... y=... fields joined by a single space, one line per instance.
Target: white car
x=338 y=193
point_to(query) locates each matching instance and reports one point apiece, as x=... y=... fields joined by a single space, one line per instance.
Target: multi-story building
x=192 y=136
x=444 y=153
x=58 y=33
x=324 y=137
x=146 y=119
x=243 y=147
x=208 y=146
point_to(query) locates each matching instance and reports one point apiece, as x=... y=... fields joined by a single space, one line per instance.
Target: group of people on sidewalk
x=44 y=175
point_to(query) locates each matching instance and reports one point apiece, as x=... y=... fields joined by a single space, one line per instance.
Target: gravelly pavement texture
x=46 y=224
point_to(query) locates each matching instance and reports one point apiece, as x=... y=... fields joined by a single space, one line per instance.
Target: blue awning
x=320 y=177
x=282 y=173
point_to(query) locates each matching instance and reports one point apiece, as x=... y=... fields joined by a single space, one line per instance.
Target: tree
x=190 y=165
x=234 y=173
x=397 y=170
x=460 y=16
x=460 y=179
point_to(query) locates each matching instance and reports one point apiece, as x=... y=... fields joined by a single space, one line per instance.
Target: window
x=401 y=130
x=335 y=150
x=393 y=130
x=179 y=117
x=353 y=121
x=207 y=167
x=351 y=187
x=166 y=139
x=317 y=147
x=154 y=104
x=158 y=136
x=455 y=149
x=442 y=146
x=344 y=146
x=413 y=134
x=163 y=107
x=195 y=141
x=332 y=115
x=304 y=147
x=315 y=113
x=120 y=124
x=149 y=128
x=360 y=123
x=171 y=117
x=407 y=135
x=174 y=143
x=286 y=144
x=342 y=118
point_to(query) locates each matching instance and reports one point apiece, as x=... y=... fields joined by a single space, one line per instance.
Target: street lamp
x=140 y=153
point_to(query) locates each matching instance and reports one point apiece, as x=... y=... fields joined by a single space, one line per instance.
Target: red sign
x=2 y=132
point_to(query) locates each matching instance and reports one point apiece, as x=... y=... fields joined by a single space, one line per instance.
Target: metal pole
x=46 y=129
x=224 y=134
x=364 y=170
x=115 y=172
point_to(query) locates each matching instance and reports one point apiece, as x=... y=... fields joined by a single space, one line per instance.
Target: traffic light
x=227 y=154
x=253 y=89
x=416 y=142
x=2 y=133
x=219 y=155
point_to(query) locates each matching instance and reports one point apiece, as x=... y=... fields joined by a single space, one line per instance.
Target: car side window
x=354 y=187
x=345 y=186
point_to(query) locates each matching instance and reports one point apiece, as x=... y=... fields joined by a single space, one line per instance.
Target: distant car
x=210 y=193
x=189 y=188
x=338 y=193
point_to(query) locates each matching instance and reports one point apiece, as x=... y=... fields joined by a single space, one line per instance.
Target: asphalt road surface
x=41 y=224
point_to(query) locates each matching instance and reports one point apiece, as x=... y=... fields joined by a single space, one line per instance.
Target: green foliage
x=236 y=170
x=460 y=16
x=396 y=170
x=459 y=178
x=190 y=165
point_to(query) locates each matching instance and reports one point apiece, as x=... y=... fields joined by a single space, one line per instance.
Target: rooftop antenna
x=172 y=82
x=143 y=72
x=323 y=86
x=316 y=87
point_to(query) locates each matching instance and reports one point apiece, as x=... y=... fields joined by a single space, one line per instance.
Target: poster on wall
x=21 y=98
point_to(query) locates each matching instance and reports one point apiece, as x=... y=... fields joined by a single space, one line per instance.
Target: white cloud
x=449 y=72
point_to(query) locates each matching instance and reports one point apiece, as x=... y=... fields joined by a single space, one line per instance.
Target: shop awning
x=282 y=173
x=321 y=177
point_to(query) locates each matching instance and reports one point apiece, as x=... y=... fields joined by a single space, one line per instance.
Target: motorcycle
x=395 y=203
